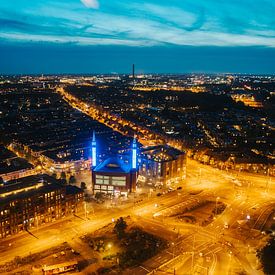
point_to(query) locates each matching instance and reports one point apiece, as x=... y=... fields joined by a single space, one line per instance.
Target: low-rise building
x=72 y=160
x=36 y=200
x=13 y=167
x=162 y=165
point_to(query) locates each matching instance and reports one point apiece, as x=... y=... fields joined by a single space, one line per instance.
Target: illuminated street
x=195 y=247
x=249 y=200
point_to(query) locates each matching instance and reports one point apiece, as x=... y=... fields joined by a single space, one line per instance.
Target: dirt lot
x=203 y=214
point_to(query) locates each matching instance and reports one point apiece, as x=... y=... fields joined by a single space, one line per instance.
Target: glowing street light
x=216 y=205
x=173 y=244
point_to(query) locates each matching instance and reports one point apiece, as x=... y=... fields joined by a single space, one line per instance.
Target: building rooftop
x=113 y=165
x=5 y=153
x=26 y=182
x=161 y=153
x=9 y=162
x=27 y=187
x=14 y=164
x=72 y=154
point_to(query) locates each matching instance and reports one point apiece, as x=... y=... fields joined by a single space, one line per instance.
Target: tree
x=72 y=180
x=120 y=227
x=17 y=260
x=266 y=256
x=98 y=196
x=63 y=181
x=83 y=185
x=63 y=175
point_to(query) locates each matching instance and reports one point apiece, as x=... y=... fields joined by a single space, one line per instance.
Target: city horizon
x=139 y=74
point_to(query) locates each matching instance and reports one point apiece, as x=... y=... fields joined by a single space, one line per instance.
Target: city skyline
x=108 y=36
x=171 y=175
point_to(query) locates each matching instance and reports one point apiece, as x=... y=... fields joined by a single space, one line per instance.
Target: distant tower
x=134 y=154
x=133 y=74
x=94 y=151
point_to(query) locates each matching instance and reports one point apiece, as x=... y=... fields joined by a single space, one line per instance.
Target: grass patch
x=203 y=213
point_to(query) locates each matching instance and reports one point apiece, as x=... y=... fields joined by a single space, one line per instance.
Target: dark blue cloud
x=160 y=36
x=9 y=24
x=140 y=23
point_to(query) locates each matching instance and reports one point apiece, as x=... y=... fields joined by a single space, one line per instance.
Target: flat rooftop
x=27 y=187
x=13 y=165
x=72 y=154
x=161 y=153
x=6 y=153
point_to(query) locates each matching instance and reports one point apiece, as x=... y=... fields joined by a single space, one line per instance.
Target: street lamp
x=85 y=209
x=216 y=205
x=173 y=244
x=109 y=246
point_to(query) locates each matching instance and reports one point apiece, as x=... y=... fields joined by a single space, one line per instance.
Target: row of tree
x=72 y=180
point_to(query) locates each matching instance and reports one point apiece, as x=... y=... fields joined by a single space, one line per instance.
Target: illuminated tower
x=93 y=151
x=133 y=72
x=134 y=154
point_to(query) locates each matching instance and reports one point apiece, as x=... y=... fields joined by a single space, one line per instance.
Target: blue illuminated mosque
x=113 y=175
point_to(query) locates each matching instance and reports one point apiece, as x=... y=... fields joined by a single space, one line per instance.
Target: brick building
x=36 y=200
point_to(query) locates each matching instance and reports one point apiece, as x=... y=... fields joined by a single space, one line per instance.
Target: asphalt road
x=213 y=249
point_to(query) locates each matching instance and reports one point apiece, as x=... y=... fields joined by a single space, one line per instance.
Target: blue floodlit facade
x=114 y=176
x=134 y=154
x=94 y=156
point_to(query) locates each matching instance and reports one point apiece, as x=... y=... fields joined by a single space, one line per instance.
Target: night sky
x=107 y=36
